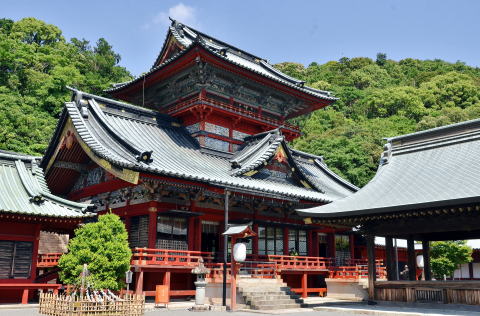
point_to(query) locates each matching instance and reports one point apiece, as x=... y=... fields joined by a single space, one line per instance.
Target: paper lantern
x=240 y=252
x=420 y=261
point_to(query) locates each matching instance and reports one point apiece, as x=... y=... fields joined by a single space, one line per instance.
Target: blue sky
x=299 y=31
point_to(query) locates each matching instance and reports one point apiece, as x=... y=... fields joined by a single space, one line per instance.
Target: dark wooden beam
x=426 y=260
x=78 y=167
x=372 y=273
x=389 y=258
x=412 y=268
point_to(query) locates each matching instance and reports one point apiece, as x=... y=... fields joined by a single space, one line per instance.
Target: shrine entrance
x=210 y=236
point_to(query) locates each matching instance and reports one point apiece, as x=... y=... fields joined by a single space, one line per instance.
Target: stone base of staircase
x=267 y=294
x=344 y=289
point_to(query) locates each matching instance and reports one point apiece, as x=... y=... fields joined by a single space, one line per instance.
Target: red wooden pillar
x=152 y=227
x=166 y=281
x=285 y=241
x=351 y=243
x=331 y=245
x=255 y=240
x=191 y=234
x=139 y=287
x=25 y=296
x=198 y=234
x=33 y=271
x=304 y=284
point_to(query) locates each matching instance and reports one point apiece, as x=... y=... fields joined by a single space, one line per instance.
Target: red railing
x=300 y=262
x=48 y=260
x=357 y=269
x=167 y=257
x=186 y=103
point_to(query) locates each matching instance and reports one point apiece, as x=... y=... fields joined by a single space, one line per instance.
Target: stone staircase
x=267 y=294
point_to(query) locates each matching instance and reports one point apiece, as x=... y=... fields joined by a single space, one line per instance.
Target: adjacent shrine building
x=210 y=120
x=28 y=208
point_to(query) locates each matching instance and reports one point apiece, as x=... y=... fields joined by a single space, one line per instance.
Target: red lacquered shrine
x=211 y=120
x=26 y=208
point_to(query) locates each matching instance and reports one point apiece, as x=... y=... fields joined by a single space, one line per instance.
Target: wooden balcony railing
x=48 y=260
x=300 y=262
x=178 y=106
x=167 y=257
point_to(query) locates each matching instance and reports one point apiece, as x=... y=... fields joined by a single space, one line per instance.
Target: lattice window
x=270 y=240
x=172 y=233
x=239 y=135
x=138 y=235
x=216 y=144
x=15 y=259
x=171 y=244
x=193 y=128
x=210 y=227
x=217 y=129
x=297 y=241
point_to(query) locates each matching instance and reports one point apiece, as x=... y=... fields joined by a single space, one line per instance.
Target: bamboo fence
x=66 y=305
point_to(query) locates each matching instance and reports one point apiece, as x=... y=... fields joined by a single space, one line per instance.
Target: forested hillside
x=36 y=63
x=378 y=99
x=381 y=98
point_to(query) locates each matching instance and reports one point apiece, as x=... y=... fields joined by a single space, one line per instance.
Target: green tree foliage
x=103 y=246
x=36 y=63
x=379 y=99
x=446 y=256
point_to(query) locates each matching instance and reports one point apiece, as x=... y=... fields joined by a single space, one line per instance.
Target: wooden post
x=351 y=243
x=331 y=245
x=285 y=241
x=198 y=234
x=25 y=296
x=389 y=258
x=315 y=243
x=372 y=273
x=255 y=240
x=233 y=282
x=412 y=269
x=426 y=260
x=139 y=288
x=152 y=227
x=304 y=285
x=166 y=281
x=191 y=234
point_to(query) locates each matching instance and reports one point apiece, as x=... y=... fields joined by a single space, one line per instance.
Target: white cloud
x=181 y=12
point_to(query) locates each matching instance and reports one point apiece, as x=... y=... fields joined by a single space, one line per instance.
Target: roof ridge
x=475 y=123
x=11 y=155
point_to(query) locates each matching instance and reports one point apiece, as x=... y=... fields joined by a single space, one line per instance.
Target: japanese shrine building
x=426 y=189
x=210 y=120
x=27 y=208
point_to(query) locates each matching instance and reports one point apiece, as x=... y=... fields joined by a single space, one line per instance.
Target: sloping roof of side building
x=24 y=190
x=436 y=168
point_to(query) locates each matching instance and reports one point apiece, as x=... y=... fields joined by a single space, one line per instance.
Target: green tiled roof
x=24 y=190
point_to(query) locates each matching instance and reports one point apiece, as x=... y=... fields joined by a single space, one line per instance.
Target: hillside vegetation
x=381 y=98
x=378 y=98
x=36 y=63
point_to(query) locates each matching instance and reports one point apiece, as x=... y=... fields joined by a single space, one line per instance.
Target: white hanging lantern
x=239 y=252
x=420 y=263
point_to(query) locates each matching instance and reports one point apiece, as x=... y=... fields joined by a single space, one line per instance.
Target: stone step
x=275 y=306
x=269 y=302
x=261 y=293
x=270 y=298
